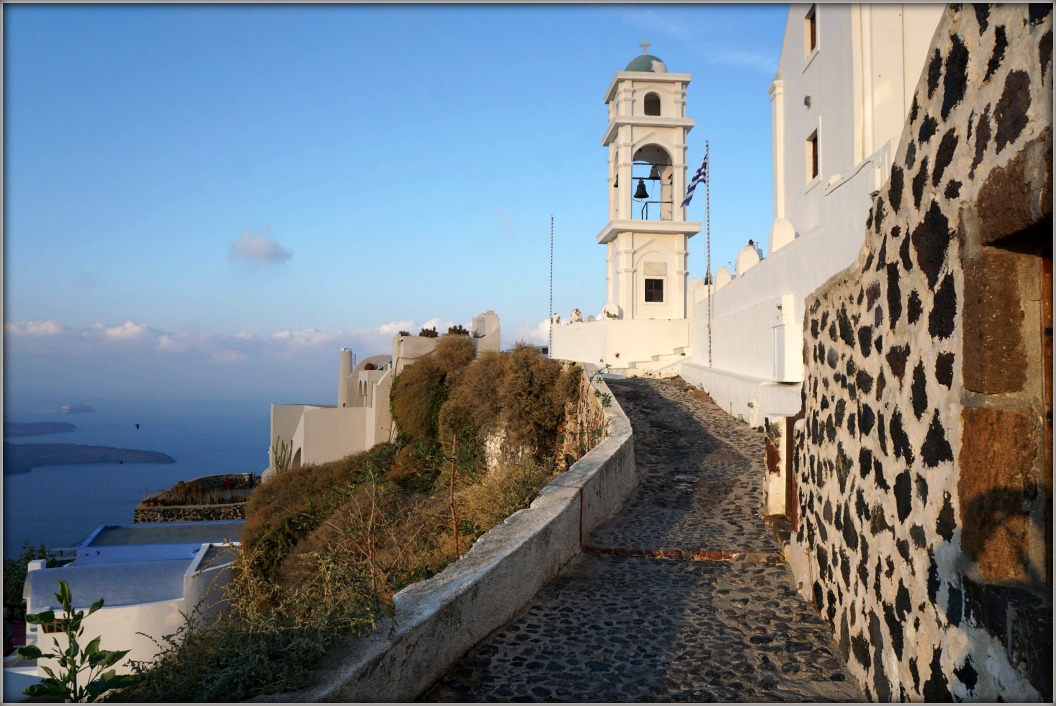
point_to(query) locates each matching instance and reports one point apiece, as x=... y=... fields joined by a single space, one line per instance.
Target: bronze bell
x=640 y=192
x=654 y=173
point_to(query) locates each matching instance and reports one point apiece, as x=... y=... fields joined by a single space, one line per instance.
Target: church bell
x=654 y=173
x=640 y=192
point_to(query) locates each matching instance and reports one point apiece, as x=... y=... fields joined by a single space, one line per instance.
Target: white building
x=838 y=103
x=645 y=325
x=361 y=418
x=150 y=577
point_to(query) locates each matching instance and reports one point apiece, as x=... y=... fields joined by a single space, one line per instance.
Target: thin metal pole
x=550 y=324
x=707 y=208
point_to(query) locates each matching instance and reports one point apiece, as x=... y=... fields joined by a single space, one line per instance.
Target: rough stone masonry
x=924 y=463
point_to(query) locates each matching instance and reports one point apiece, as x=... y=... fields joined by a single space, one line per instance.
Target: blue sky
x=212 y=200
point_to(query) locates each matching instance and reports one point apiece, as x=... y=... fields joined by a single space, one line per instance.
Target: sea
x=59 y=506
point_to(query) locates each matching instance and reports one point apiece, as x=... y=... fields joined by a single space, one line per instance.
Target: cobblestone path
x=618 y=625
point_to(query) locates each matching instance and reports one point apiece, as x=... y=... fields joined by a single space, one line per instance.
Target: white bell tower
x=647 y=234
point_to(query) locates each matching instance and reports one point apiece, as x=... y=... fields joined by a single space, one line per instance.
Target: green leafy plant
x=96 y=663
x=281 y=453
x=15 y=572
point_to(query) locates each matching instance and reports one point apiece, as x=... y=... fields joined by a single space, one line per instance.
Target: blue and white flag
x=700 y=176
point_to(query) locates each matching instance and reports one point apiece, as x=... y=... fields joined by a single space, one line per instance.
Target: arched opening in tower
x=653 y=177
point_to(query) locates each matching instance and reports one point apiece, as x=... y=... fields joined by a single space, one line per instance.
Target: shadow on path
x=612 y=628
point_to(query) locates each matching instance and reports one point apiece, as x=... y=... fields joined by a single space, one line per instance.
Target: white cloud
x=125 y=332
x=258 y=249
x=33 y=328
x=537 y=334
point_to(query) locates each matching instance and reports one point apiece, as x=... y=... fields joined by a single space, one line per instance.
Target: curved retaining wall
x=437 y=620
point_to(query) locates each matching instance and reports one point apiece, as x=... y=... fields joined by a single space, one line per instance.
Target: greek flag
x=700 y=176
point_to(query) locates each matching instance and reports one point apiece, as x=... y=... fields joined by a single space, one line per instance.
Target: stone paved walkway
x=619 y=625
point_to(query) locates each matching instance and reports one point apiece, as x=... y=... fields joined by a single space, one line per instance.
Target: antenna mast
x=550 y=321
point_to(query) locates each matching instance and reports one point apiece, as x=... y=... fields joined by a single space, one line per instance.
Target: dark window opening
x=654 y=290
x=652 y=104
x=812 y=156
x=811 y=27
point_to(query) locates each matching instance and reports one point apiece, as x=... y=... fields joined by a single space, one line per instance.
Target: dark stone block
x=943 y=317
x=865 y=462
x=933 y=578
x=896 y=360
x=845 y=639
x=1011 y=110
x=818 y=597
x=1045 y=51
x=860 y=648
x=982 y=140
x=843 y=467
x=850 y=536
x=911 y=149
x=914 y=674
x=851 y=418
x=824 y=570
x=826 y=511
x=894 y=629
x=1000 y=44
x=967 y=675
x=918 y=182
x=878 y=523
x=934 y=74
x=928 y=127
x=894 y=294
x=841 y=412
x=881 y=255
x=846 y=329
x=899 y=440
x=866 y=419
x=982 y=12
x=919 y=392
x=931 y=240
x=876 y=639
x=813 y=328
x=947 y=521
x=944 y=155
x=902 y=603
x=878 y=215
x=955 y=76
x=872 y=293
x=944 y=369
x=954 y=605
x=832 y=358
x=878 y=318
x=916 y=533
x=936 y=688
x=845 y=568
x=878 y=475
x=913 y=306
x=863 y=380
x=1037 y=12
x=953 y=189
x=881 y=433
x=831 y=610
x=922 y=490
x=832 y=332
x=861 y=509
x=830 y=430
x=936 y=448
x=894 y=189
x=903 y=253
x=903 y=496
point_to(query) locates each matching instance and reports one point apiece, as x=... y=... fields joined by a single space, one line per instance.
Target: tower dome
x=647 y=62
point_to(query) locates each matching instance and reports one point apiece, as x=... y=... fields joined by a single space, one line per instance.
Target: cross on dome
x=645 y=47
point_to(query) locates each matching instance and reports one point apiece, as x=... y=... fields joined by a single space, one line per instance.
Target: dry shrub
x=509 y=487
x=533 y=401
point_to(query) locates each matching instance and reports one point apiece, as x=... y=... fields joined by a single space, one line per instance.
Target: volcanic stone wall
x=925 y=470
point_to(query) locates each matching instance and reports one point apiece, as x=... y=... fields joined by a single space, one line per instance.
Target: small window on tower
x=654 y=290
x=812 y=156
x=652 y=104
x=810 y=30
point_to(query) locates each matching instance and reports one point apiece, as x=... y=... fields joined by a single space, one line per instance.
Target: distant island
x=75 y=409
x=14 y=429
x=21 y=458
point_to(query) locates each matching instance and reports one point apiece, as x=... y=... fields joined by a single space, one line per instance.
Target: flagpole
x=707 y=209
x=550 y=343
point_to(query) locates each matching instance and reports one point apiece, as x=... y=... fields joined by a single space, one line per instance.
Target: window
x=810 y=30
x=812 y=156
x=652 y=104
x=654 y=290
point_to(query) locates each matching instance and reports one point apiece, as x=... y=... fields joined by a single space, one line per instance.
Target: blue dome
x=647 y=62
